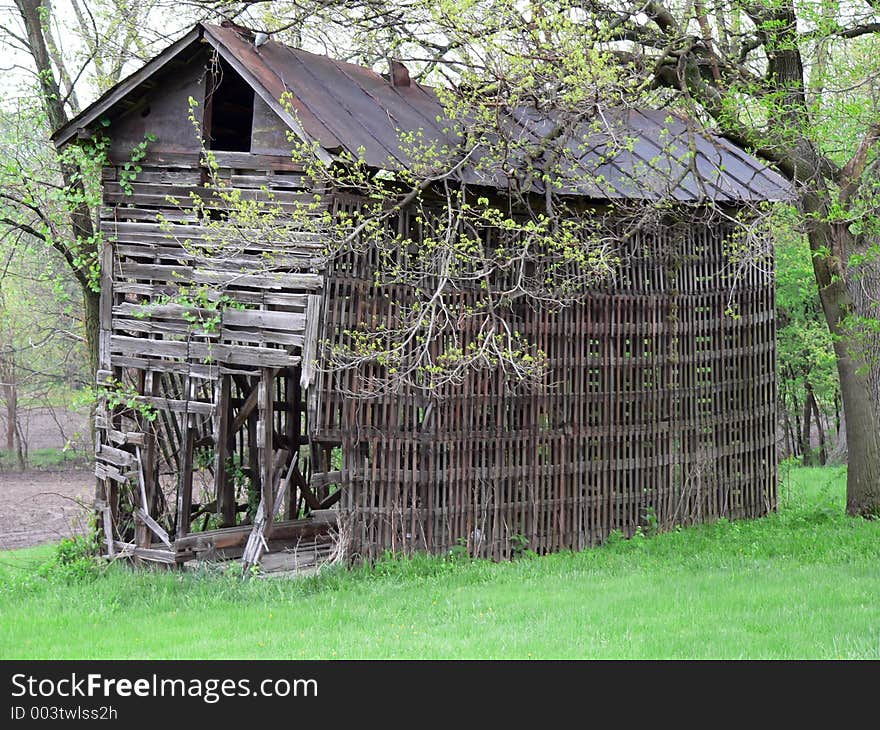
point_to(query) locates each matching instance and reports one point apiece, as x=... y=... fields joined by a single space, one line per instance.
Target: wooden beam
x=266 y=438
x=269 y=505
x=246 y=408
x=129 y=549
x=225 y=488
x=293 y=432
x=231 y=537
x=184 y=484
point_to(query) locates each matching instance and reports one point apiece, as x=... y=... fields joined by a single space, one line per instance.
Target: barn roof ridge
x=346 y=107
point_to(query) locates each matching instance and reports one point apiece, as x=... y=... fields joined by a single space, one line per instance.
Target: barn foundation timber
x=221 y=431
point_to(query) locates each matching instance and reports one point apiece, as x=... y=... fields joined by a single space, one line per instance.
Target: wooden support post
x=146 y=470
x=225 y=488
x=293 y=435
x=265 y=437
x=254 y=471
x=184 y=488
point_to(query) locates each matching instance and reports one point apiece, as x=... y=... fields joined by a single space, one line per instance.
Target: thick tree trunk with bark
x=832 y=245
x=34 y=15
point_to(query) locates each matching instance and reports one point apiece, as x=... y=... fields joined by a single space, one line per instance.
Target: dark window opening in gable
x=230 y=111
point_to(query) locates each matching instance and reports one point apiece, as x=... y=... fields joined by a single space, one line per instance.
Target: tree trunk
x=789 y=431
x=823 y=449
x=832 y=244
x=806 y=428
x=11 y=415
x=798 y=427
x=22 y=448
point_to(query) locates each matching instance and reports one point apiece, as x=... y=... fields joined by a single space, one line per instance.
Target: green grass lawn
x=802 y=583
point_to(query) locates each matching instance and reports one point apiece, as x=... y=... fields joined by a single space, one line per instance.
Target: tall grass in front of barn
x=800 y=583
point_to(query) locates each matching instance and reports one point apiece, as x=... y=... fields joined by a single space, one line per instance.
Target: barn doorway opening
x=229 y=111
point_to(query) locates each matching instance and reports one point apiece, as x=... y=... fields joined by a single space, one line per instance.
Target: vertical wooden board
x=184 y=489
x=265 y=425
x=224 y=488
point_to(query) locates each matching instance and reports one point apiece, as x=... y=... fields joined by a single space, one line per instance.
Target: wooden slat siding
x=646 y=420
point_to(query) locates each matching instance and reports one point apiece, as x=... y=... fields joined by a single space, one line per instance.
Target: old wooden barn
x=659 y=408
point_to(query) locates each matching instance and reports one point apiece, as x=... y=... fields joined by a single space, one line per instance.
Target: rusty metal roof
x=619 y=154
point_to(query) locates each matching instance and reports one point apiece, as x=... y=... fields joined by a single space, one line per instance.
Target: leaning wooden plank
x=155 y=527
x=310 y=345
x=256 y=543
x=106 y=471
x=246 y=408
x=107 y=520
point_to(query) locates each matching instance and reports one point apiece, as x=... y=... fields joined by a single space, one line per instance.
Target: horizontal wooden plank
x=114 y=456
x=174 y=254
x=235 y=536
x=264 y=319
x=181 y=327
x=178 y=406
x=193 y=369
x=154 y=555
x=186 y=274
x=322 y=480
x=248 y=161
x=199 y=351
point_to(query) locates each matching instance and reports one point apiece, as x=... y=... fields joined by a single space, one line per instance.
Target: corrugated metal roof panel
x=617 y=154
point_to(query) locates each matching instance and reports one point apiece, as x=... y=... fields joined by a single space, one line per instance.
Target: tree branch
x=851 y=174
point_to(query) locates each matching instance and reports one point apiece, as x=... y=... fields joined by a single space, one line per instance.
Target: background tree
x=61 y=58
x=809 y=392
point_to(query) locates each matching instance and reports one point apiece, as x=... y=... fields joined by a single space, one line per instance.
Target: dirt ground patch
x=41 y=506
x=38 y=506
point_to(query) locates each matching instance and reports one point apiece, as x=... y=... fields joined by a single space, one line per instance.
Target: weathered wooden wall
x=658 y=410
x=225 y=384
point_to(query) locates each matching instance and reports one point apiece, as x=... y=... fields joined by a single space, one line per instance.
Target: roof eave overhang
x=90 y=115
x=82 y=121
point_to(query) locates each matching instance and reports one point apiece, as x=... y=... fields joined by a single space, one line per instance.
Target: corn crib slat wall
x=658 y=410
